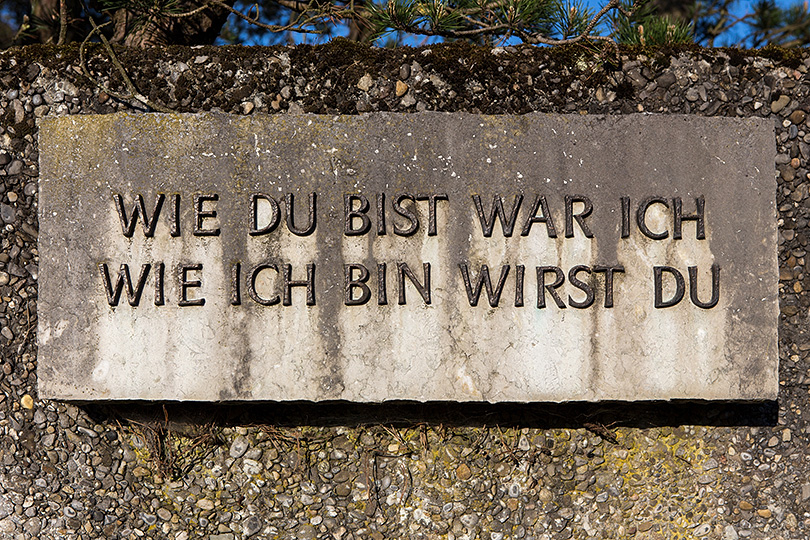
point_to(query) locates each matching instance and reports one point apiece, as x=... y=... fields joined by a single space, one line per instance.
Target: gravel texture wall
x=402 y=470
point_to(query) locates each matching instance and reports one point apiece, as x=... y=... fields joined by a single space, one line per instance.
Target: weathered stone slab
x=385 y=267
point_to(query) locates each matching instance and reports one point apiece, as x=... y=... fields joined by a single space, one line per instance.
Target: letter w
x=114 y=293
x=138 y=209
x=507 y=223
x=474 y=293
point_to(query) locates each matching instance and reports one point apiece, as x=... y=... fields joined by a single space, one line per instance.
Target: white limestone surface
x=610 y=186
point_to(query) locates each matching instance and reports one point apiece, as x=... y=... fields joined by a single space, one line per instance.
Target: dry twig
x=62 y=22
x=133 y=92
x=602 y=431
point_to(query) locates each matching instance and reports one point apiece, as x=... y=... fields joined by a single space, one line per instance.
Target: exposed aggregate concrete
x=439 y=470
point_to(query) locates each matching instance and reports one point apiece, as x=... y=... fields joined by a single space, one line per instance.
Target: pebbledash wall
x=402 y=470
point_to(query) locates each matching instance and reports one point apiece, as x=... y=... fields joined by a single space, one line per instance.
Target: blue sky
x=739 y=8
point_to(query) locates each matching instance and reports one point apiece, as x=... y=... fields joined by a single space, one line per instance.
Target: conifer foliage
x=141 y=23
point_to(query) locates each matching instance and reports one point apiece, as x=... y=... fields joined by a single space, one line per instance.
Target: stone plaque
x=407 y=257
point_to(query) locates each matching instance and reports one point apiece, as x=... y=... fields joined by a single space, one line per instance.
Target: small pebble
x=797 y=116
x=523 y=443
x=253 y=525
x=27 y=402
x=703 y=530
x=16 y=167
x=239 y=447
x=710 y=464
x=365 y=82
x=780 y=103
x=401 y=89
x=7 y=213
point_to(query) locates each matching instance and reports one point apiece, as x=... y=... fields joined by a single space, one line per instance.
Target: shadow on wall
x=593 y=416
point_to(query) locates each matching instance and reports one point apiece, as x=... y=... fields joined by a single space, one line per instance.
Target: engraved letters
x=366 y=216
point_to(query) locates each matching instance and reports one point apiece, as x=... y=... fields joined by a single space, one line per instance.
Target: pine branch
x=296 y=26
